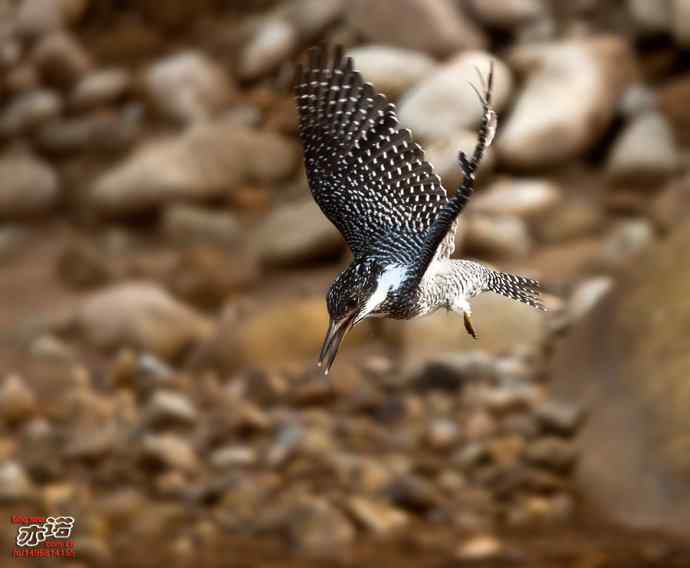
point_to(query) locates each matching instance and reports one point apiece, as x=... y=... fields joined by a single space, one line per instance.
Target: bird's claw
x=468 y=325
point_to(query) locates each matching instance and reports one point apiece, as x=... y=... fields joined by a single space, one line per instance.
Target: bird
x=370 y=179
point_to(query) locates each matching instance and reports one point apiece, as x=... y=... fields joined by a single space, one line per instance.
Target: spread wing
x=365 y=172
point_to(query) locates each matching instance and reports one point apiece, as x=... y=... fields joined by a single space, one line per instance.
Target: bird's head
x=359 y=292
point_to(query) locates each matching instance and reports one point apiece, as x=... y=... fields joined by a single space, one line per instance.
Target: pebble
x=509 y=14
x=188 y=224
x=100 y=88
x=392 y=70
x=480 y=548
x=229 y=457
x=172 y=408
x=651 y=17
x=28 y=110
x=61 y=60
x=317 y=527
x=17 y=400
x=170 y=450
x=560 y=417
x=15 y=484
x=187 y=87
x=376 y=516
x=551 y=452
x=445 y=103
x=576 y=218
x=271 y=43
x=626 y=240
x=30 y=186
x=587 y=295
x=680 y=21
x=501 y=236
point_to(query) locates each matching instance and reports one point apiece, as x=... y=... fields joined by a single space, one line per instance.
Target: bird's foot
x=468 y=325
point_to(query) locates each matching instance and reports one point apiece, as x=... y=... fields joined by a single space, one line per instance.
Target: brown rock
x=169 y=450
x=17 y=401
x=29 y=186
x=377 y=517
x=315 y=526
x=61 y=60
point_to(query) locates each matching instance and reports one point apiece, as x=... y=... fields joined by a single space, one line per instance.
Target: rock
x=168 y=407
x=651 y=17
x=435 y=27
x=582 y=81
x=443 y=152
x=506 y=451
x=480 y=548
x=205 y=162
x=377 y=517
x=673 y=204
x=229 y=457
x=501 y=324
x=508 y=14
x=104 y=132
x=634 y=385
x=61 y=60
x=560 y=417
x=51 y=348
x=272 y=42
x=91 y=445
x=28 y=110
x=673 y=97
x=187 y=87
x=576 y=218
x=498 y=236
x=637 y=99
x=267 y=338
x=627 y=240
x=645 y=150
x=315 y=526
x=450 y=372
x=100 y=88
x=680 y=21
x=444 y=102
x=588 y=294
x=414 y=494
x=297 y=234
x=442 y=434
x=188 y=224
x=15 y=485
x=17 y=401
x=552 y=452
x=35 y=18
x=392 y=70
x=29 y=186
x=520 y=197
x=311 y=17
x=169 y=450
x=140 y=315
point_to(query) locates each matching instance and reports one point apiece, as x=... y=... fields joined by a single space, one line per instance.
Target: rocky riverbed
x=163 y=271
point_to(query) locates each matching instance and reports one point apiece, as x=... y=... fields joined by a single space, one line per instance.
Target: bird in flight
x=372 y=182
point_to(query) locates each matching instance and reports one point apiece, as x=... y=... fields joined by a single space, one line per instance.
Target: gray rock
x=504 y=235
x=392 y=70
x=169 y=407
x=520 y=197
x=272 y=42
x=15 y=485
x=170 y=450
x=297 y=233
x=444 y=102
x=140 y=315
x=436 y=27
x=100 y=88
x=17 y=400
x=206 y=161
x=508 y=14
x=569 y=99
x=645 y=150
x=61 y=60
x=26 y=111
x=187 y=87
x=29 y=186
x=188 y=224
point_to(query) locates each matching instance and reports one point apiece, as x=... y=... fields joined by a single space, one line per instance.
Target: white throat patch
x=391 y=279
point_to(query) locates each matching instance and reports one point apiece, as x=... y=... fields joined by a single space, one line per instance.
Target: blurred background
x=163 y=271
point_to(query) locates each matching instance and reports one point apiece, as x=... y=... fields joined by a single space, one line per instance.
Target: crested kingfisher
x=372 y=182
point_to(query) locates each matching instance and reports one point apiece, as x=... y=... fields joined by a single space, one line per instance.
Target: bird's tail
x=517 y=288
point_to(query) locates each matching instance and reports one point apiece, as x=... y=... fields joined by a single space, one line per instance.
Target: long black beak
x=337 y=330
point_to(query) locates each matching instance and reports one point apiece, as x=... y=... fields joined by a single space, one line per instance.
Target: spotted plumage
x=371 y=180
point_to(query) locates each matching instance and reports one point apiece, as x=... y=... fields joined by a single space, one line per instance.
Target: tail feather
x=517 y=288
